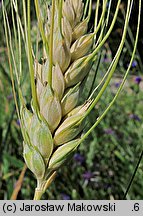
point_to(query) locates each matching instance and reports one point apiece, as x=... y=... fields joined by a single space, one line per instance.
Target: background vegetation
x=104 y=164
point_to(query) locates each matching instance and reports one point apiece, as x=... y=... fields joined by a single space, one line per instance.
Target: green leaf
x=12 y=160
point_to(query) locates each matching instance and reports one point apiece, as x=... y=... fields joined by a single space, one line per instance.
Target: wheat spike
x=60 y=120
x=52 y=127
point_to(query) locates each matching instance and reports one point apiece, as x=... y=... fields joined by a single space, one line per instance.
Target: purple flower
x=65 y=196
x=134 y=117
x=117 y=84
x=108 y=131
x=18 y=122
x=134 y=64
x=138 y=80
x=88 y=175
x=79 y=158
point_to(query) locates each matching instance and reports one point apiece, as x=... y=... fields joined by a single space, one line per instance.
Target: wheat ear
x=52 y=129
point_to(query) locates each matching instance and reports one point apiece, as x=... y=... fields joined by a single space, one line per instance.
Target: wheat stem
x=42 y=186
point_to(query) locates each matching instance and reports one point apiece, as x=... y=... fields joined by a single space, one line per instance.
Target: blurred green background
x=103 y=165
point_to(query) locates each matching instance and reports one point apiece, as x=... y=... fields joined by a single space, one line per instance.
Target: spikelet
x=70 y=99
x=58 y=83
x=80 y=30
x=73 y=11
x=77 y=71
x=79 y=109
x=38 y=134
x=34 y=161
x=53 y=132
x=81 y=46
x=68 y=130
x=67 y=30
x=62 y=154
x=61 y=45
x=41 y=137
x=50 y=107
x=78 y=7
x=61 y=51
x=71 y=126
x=27 y=118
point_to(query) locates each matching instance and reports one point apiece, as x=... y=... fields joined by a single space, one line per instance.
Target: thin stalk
x=11 y=48
x=60 y=16
x=108 y=15
x=30 y=60
x=101 y=18
x=107 y=34
x=95 y=89
x=40 y=23
x=90 y=10
x=132 y=40
x=42 y=186
x=133 y=176
x=96 y=18
x=94 y=78
x=114 y=63
x=85 y=9
x=92 y=93
x=15 y=5
x=101 y=35
x=38 y=194
x=122 y=84
x=14 y=26
x=98 y=62
x=10 y=62
x=25 y=26
x=11 y=58
x=37 y=45
x=96 y=15
x=19 y=47
x=51 y=45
